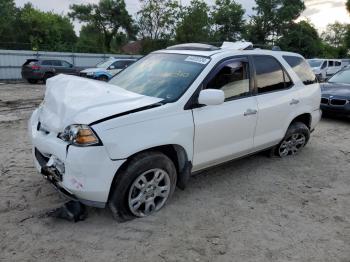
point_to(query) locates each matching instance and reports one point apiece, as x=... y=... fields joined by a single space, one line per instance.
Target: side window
x=330 y=63
x=232 y=78
x=337 y=63
x=129 y=62
x=302 y=69
x=46 y=63
x=66 y=64
x=324 y=65
x=118 y=65
x=270 y=75
x=56 y=63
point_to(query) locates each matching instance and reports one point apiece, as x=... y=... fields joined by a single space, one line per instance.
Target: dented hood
x=75 y=100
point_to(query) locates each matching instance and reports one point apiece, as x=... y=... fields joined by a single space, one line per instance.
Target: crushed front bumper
x=80 y=173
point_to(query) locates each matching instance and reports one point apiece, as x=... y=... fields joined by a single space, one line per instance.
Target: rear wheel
x=47 y=76
x=143 y=187
x=32 y=81
x=296 y=138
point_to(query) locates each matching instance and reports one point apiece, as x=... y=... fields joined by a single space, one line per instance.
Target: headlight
x=79 y=135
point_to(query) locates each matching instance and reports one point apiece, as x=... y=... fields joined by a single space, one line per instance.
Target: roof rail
x=193 y=46
x=240 y=45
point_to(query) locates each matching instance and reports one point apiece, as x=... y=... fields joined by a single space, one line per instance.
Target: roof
x=228 y=52
x=227 y=49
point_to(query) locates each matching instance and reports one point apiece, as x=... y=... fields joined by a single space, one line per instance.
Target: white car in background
x=107 y=69
x=128 y=143
x=325 y=68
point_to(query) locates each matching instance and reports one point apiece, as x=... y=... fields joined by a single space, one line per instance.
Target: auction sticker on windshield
x=197 y=59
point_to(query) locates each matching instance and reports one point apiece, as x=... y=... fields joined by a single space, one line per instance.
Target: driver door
x=226 y=131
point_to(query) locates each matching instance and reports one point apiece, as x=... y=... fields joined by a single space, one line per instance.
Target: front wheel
x=297 y=136
x=102 y=78
x=143 y=187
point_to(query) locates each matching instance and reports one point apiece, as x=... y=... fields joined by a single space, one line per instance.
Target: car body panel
x=42 y=67
x=108 y=70
x=72 y=99
x=336 y=98
x=127 y=123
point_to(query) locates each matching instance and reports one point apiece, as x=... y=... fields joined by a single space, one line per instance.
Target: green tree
x=108 y=16
x=157 y=19
x=195 y=24
x=228 y=20
x=348 y=5
x=335 y=34
x=90 y=40
x=301 y=38
x=271 y=19
x=44 y=29
x=8 y=13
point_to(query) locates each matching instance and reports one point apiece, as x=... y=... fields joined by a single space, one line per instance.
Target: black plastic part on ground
x=73 y=211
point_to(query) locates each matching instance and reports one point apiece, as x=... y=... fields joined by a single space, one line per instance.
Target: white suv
x=128 y=143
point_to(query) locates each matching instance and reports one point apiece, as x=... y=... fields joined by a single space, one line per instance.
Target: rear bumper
x=316 y=116
x=79 y=173
x=32 y=75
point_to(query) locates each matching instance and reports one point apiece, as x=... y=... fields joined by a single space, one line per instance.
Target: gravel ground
x=254 y=209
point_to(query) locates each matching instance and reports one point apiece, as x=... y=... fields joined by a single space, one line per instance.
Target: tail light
x=35 y=67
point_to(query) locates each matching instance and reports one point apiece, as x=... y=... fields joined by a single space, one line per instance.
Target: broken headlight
x=79 y=135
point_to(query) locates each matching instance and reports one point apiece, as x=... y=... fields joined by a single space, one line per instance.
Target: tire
x=32 y=81
x=297 y=136
x=135 y=194
x=47 y=76
x=103 y=78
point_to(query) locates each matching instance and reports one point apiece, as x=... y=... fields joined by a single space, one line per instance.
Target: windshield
x=342 y=77
x=164 y=76
x=104 y=64
x=315 y=63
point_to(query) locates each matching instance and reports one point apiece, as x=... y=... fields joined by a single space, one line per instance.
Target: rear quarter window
x=302 y=69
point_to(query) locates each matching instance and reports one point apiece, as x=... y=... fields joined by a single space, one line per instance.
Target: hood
x=335 y=89
x=75 y=100
x=93 y=70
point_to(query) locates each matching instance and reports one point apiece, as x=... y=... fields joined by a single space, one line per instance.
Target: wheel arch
x=305 y=118
x=176 y=153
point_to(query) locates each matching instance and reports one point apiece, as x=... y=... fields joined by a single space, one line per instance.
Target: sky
x=319 y=12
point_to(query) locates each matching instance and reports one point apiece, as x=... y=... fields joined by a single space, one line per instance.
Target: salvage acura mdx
x=129 y=142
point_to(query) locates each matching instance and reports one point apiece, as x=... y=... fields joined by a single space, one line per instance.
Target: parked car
x=336 y=94
x=325 y=68
x=35 y=70
x=107 y=69
x=129 y=142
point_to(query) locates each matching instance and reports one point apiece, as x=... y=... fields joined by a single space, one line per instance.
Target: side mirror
x=211 y=97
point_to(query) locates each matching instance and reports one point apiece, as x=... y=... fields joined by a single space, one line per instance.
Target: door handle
x=294 y=102
x=250 y=112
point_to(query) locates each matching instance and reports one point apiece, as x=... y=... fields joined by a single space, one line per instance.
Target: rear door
x=68 y=68
x=62 y=67
x=275 y=97
x=226 y=131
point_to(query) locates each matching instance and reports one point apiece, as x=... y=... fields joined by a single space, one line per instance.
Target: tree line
x=107 y=26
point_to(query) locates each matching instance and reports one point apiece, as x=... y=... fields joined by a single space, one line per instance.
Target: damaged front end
x=83 y=174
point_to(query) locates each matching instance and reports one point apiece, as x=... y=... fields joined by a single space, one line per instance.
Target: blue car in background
x=107 y=69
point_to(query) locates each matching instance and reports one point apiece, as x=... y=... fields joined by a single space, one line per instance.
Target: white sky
x=320 y=12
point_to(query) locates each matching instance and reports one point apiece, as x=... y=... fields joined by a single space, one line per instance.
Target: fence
x=11 y=61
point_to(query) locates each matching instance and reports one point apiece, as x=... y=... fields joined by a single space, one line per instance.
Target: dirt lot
x=255 y=209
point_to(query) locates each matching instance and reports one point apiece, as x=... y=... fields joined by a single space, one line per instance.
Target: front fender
x=126 y=140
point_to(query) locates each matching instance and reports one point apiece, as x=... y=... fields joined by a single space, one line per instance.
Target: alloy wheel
x=149 y=192
x=292 y=144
